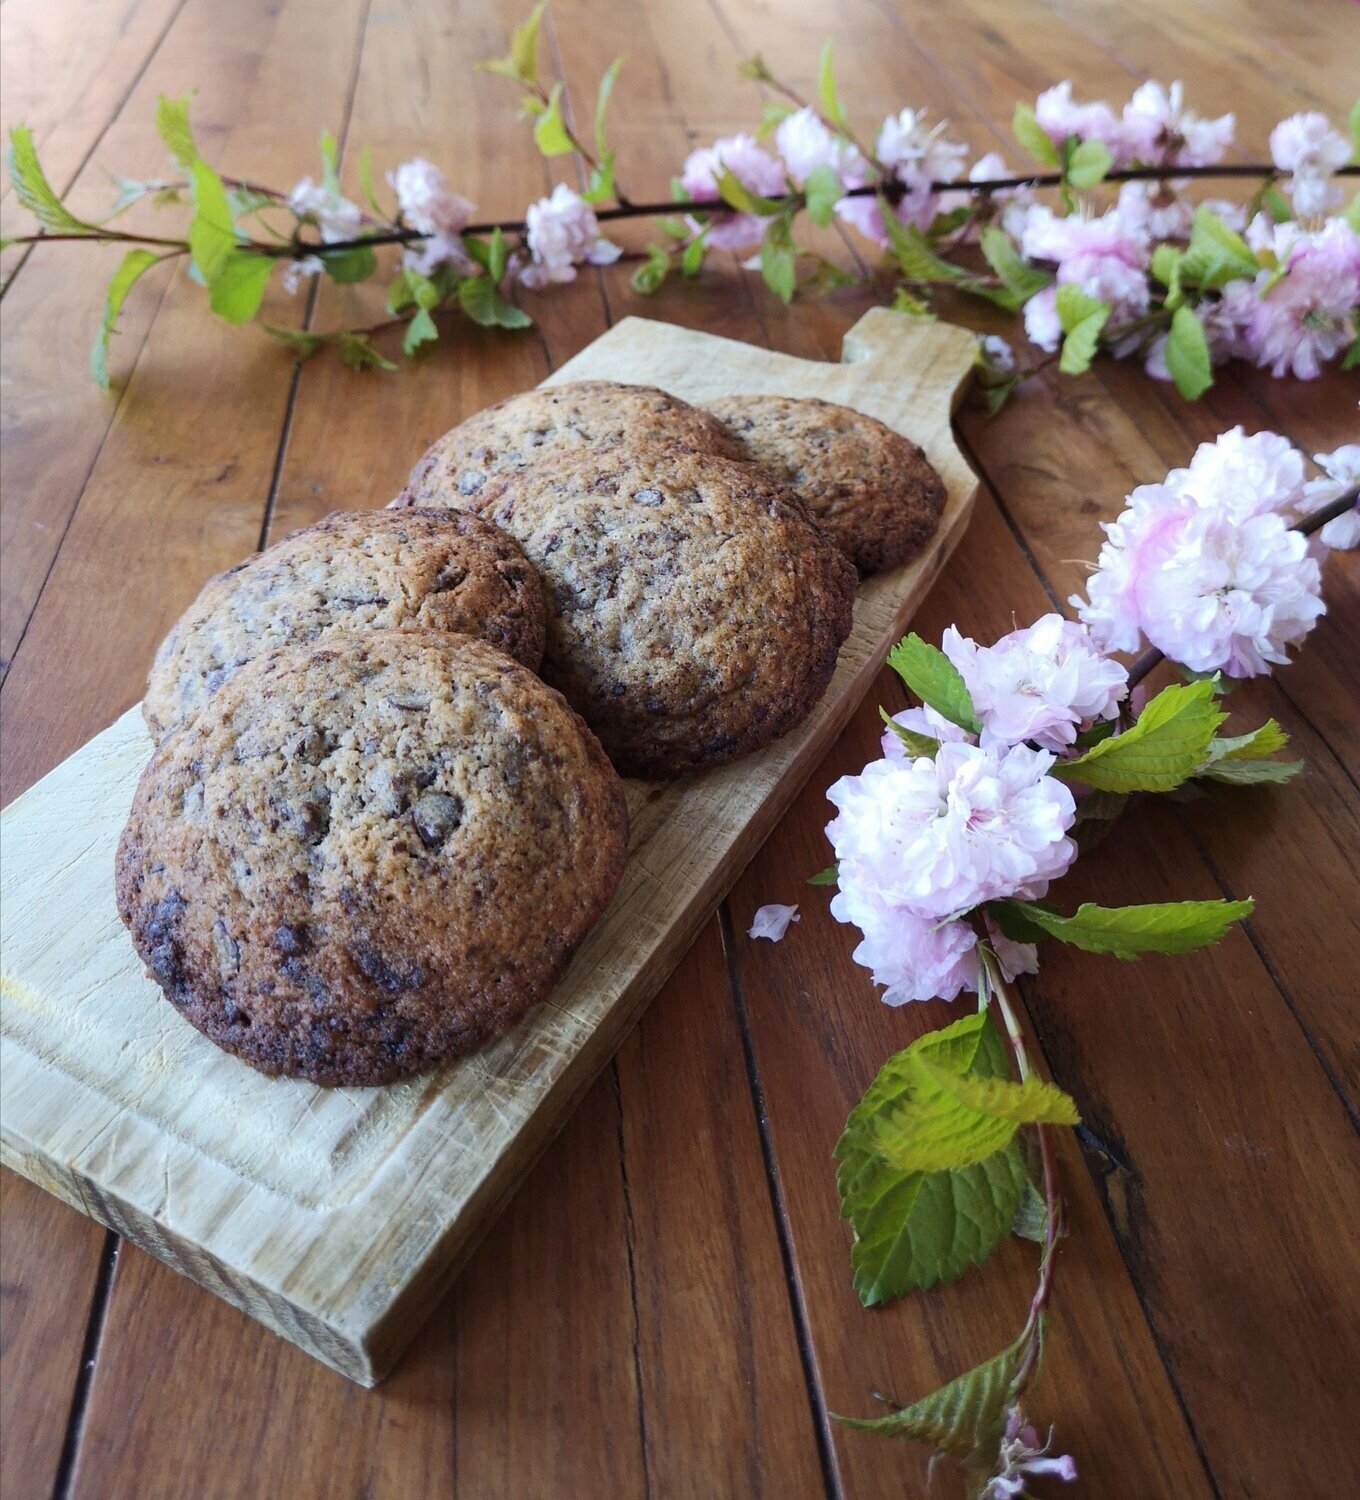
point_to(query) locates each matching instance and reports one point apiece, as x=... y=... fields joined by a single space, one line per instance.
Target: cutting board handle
x=905 y=348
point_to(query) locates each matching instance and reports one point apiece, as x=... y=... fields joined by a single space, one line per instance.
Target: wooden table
x=665 y=1309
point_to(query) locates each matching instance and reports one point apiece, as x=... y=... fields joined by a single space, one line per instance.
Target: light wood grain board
x=338 y=1217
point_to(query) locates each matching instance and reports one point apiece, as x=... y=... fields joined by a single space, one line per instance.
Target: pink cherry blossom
x=752 y=166
x=1158 y=130
x=563 y=233
x=805 y=143
x=917 y=155
x=924 y=721
x=1241 y=475
x=428 y=204
x=1307 y=147
x=1300 y=320
x=1042 y=323
x=1106 y=257
x=772 y=922
x=1022 y=1455
x=334 y=215
x=914 y=958
x=1062 y=116
x=1040 y=684
x=1015 y=203
x=1341 y=472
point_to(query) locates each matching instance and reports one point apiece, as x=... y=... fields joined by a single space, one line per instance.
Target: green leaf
x=330 y=162
x=1350 y=360
x=911 y=250
x=1097 y=813
x=965 y=1417
x=212 y=235
x=829 y=876
x=755 y=68
x=365 y=168
x=1087 y=164
x=130 y=191
x=420 y=330
x=243 y=201
x=830 y=100
x=1031 y=1218
x=357 y=263
x=1019 y=278
x=1354 y=123
x=600 y=186
x=912 y=306
x=480 y=300
x=1026 y=128
x=1166 y=267
x=1252 y=772
x=1216 y=254
x=822 y=191
x=1082 y=318
x=772 y=112
x=1125 y=931
x=777 y=263
x=32 y=188
x=734 y=192
x=304 y=342
x=359 y=354
x=1187 y=355
x=172 y=121
x=132 y=267
x=496 y=257
x=935 y=680
x=550 y=131
x=916 y=744
x=521 y=63
x=611 y=73
x=1263 y=741
x=1164 y=748
x=237 y=290
x=692 y=257
x=651 y=274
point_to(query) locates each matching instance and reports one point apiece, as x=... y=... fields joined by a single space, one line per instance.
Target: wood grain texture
x=296 y=1203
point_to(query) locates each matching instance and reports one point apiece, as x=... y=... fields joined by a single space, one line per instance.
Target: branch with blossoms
x=1181 y=286
x=1019 y=756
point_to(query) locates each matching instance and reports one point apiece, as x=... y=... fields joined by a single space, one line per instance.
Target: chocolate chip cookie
x=599 y=414
x=370 y=855
x=694 y=613
x=870 y=489
x=356 y=570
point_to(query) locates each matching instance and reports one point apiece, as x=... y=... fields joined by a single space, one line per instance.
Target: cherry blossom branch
x=1152 y=658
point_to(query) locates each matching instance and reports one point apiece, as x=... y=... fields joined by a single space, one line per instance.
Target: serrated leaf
x=212 y=235
x=550 y=131
x=965 y=1417
x=358 y=354
x=346 y=267
x=1087 y=164
x=1187 y=355
x=777 y=264
x=1166 y=267
x=935 y=680
x=420 y=330
x=1082 y=317
x=830 y=100
x=132 y=267
x=130 y=191
x=651 y=274
x=304 y=342
x=172 y=123
x=600 y=185
x=911 y=250
x=734 y=192
x=1019 y=278
x=692 y=257
x=1124 y=931
x=830 y=876
x=237 y=290
x=521 y=62
x=480 y=300
x=32 y=188
x=1253 y=772
x=1026 y=128
x=1216 y=254
x=1031 y=1217
x=822 y=190
x=916 y=744
x=1260 y=742
x=1165 y=747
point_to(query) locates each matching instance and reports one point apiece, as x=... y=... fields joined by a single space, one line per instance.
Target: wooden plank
x=141 y=1146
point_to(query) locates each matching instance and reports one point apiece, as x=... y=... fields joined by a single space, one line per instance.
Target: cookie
x=356 y=570
x=869 y=488
x=694 y=613
x=372 y=855
x=598 y=414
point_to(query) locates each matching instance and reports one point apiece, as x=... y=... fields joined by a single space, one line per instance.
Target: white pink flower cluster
x=1154 y=129
x=562 y=233
x=922 y=841
x=428 y=204
x=1205 y=567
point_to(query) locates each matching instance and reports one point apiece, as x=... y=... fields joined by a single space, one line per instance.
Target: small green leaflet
x=1263 y=741
x=1165 y=747
x=911 y=250
x=830 y=100
x=734 y=192
x=1166 y=267
x=611 y=73
x=1019 y=278
x=1243 y=772
x=420 y=330
x=1031 y=1218
x=1124 y=931
x=301 y=340
x=822 y=191
x=777 y=264
x=1187 y=355
x=911 y=306
x=1087 y=163
x=651 y=274
x=237 y=290
x=600 y=187
x=692 y=258
x=1097 y=813
x=365 y=168
x=935 y=680
x=1026 y=128
x=358 y=354
x=1216 y=254
x=1354 y=123
x=32 y=188
x=550 y=132
x=772 y=112
x=172 y=121
x=480 y=300
x=212 y=235
x=130 y=191
x=521 y=63
x=965 y=1417
x=829 y=876
x=134 y=264
x=1082 y=319
x=917 y=744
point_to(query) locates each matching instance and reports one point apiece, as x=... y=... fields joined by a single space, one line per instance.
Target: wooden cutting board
x=338 y=1217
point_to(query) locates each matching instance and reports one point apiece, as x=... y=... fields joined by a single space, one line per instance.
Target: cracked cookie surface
x=694 y=613
x=356 y=570
x=371 y=855
x=869 y=488
x=602 y=415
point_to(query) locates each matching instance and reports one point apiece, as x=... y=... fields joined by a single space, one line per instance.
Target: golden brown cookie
x=599 y=414
x=870 y=489
x=356 y=570
x=694 y=613
x=370 y=855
